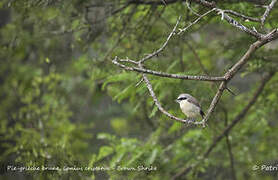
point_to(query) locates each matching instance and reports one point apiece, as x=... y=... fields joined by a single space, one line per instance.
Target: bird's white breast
x=189 y=109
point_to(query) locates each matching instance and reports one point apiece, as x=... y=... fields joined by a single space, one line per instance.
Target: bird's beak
x=176 y=101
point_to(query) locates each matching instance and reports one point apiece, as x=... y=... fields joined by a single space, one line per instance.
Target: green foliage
x=63 y=102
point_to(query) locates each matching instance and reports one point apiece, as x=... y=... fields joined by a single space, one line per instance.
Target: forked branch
x=138 y=65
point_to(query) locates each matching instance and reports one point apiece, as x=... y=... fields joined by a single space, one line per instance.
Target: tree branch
x=231 y=72
x=190 y=9
x=267 y=11
x=206 y=3
x=238 y=25
x=267 y=38
x=230 y=20
x=239 y=117
x=242 y=114
x=196 y=20
x=162 y=74
x=161 y=2
x=244 y=17
x=164 y=45
x=228 y=76
x=262 y=39
x=214 y=102
x=213 y=5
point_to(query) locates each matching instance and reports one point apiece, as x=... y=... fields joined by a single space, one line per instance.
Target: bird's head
x=183 y=97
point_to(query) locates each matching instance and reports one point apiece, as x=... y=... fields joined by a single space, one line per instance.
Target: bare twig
x=162 y=74
x=110 y=50
x=244 y=17
x=238 y=25
x=214 y=102
x=267 y=38
x=128 y=61
x=212 y=5
x=190 y=9
x=267 y=11
x=163 y=46
x=123 y=33
x=230 y=20
x=230 y=91
x=262 y=39
x=194 y=22
x=206 y=3
x=161 y=2
x=164 y=2
x=228 y=76
x=139 y=82
x=239 y=117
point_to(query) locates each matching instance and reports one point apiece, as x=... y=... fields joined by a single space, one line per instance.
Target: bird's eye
x=182 y=98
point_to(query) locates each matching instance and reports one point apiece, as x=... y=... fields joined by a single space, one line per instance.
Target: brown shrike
x=190 y=106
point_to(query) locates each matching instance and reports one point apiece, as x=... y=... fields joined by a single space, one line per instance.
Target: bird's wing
x=194 y=101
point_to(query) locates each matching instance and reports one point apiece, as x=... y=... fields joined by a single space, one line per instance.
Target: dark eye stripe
x=182 y=98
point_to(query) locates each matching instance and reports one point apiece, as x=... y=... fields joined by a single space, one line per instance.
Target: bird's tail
x=202 y=113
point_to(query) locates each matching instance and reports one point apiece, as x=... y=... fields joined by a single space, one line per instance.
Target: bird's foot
x=192 y=119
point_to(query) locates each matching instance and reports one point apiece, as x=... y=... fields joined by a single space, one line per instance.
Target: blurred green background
x=64 y=104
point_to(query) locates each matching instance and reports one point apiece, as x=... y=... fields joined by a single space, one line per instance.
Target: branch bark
x=244 y=17
x=167 y=75
x=242 y=114
x=227 y=77
x=262 y=39
x=267 y=11
x=236 y=67
x=238 y=25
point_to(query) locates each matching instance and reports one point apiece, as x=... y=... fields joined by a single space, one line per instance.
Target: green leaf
x=153 y=156
x=92 y=160
x=105 y=136
x=137 y=156
x=104 y=151
x=75 y=24
x=52 y=13
x=120 y=124
x=155 y=109
x=175 y=127
x=126 y=77
x=128 y=92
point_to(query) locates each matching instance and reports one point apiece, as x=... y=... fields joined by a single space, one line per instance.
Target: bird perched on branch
x=190 y=106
